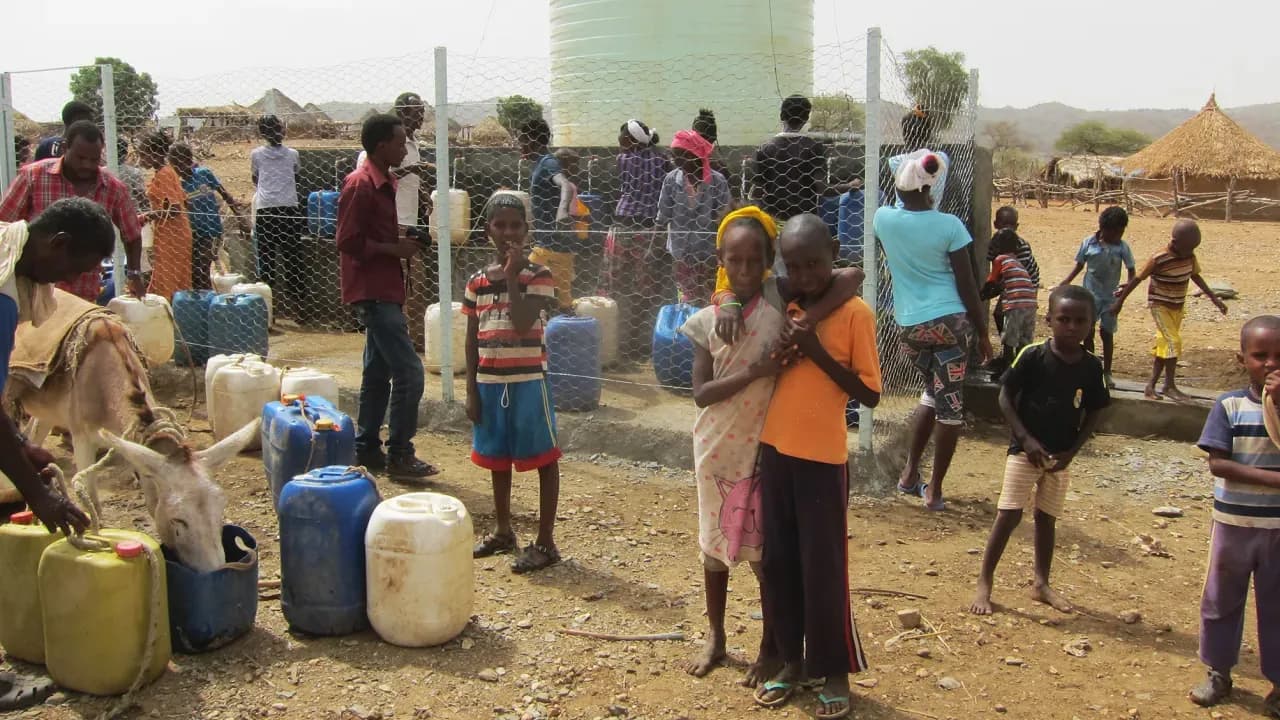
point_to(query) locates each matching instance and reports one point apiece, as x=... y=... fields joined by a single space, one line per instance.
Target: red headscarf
x=696 y=144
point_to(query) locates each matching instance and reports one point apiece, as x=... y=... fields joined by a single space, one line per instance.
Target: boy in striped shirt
x=1170 y=271
x=1246 y=521
x=1017 y=295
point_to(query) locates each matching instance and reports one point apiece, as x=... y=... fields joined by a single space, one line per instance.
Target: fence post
x=870 y=201
x=107 y=77
x=8 y=158
x=444 y=238
x=972 y=105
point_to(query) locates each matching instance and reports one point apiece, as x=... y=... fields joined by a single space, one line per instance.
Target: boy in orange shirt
x=804 y=485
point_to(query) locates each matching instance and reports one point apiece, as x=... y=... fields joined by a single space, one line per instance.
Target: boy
x=804 y=482
x=1103 y=253
x=551 y=195
x=1051 y=398
x=1169 y=270
x=1246 y=521
x=1017 y=296
x=1007 y=219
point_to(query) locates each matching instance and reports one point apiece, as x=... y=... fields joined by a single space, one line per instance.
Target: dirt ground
x=628 y=532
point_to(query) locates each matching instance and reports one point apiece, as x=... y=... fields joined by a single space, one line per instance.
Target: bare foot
x=712 y=655
x=1175 y=394
x=1150 y=392
x=982 y=599
x=1049 y=596
x=761 y=670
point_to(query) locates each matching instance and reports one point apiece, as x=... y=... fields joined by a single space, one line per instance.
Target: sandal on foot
x=787 y=689
x=535 y=557
x=492 y=544
x=1215 y=688
x=914 y=489
x=939 y=506
x=832 y=701
x=18 y=692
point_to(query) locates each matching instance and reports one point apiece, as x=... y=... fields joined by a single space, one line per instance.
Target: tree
x=1094 y=138
x=516 y=110
x=837 y=114
x=938 y=83
x=135 y=92
x=1005 y=135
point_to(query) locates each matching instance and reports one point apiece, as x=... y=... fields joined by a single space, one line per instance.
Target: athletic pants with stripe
x=806 y=564
x=1235 y=554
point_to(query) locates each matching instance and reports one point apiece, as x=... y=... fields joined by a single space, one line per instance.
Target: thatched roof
x=1084 y=168
x=1208 y=145
x=215 y=111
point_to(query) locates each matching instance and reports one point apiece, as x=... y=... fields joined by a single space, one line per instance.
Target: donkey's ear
x=229 y=446
x=142 y=459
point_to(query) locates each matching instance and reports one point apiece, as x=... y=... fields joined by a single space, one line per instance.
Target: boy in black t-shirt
x=1051 y=397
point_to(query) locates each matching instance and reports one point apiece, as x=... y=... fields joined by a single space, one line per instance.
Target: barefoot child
x=1101 y=255
x=1007 y=219
x=507 y=401
x=732 y=384
x=1170 y=270
x=1246 y=521
x=1051 y=397
x=804 y=482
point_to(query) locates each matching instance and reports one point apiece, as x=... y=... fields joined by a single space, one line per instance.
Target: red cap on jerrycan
x=25 y=517
x=128 y=549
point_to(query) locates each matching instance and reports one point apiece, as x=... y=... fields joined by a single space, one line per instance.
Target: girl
x=507 y=397
x=693 y=200
x=171 y=230
x=277 y=223
x=200 y=185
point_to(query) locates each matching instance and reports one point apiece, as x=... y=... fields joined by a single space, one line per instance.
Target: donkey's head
x=188 y=507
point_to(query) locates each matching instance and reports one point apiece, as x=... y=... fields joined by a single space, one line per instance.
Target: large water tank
x=662 y=60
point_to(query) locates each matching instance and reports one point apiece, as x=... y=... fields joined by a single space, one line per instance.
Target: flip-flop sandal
x=915 y=489
x=932 y=507
x=832 y=701
x=491 y=545
x=788 y=689
x=18 y=692
x=527 y=562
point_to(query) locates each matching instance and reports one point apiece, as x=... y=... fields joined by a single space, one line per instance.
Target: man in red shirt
x=372 y=245
x=78 y=173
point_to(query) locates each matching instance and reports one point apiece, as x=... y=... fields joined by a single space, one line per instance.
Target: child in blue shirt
x=1102 y=255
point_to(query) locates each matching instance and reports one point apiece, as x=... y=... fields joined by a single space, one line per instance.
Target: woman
x=693 y=200
x=937 y=308
x=171 y=230
x=202 y=189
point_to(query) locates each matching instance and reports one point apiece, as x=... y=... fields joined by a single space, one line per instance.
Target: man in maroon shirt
x=372 y=246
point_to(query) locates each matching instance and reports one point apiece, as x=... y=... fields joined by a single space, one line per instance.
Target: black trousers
x=277 y=232
x=806 y=564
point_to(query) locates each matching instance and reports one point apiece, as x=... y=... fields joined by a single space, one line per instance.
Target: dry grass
x=1208 y=145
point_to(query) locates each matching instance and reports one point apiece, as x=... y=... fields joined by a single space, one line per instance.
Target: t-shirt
x=276 y=168
x=806 y=415
x=790 y=175
x=1025 y=257
x=505 y=355
x=640 y=175
x=8 y=327
x=692 y=212
x=1103 y=262
x=1053 y=396
x=917 y=246
x=1235 y=426
x=202 y=203
x=544 y=195
x=50 y=147
x=1170 y=276
x=1017 y=291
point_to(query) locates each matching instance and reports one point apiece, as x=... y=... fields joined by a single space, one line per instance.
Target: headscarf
x=696 y=144
x=637 y=131
x=755 y=213
x=914 y=174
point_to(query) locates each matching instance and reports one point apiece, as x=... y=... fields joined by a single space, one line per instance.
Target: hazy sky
x=1097 y=54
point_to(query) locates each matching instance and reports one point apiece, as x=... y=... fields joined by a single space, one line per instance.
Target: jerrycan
x=22 y=541
x=100 y=606
x=209 y=610
x=301 y=434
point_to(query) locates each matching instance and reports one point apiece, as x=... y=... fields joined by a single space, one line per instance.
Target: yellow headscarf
x=755 y=213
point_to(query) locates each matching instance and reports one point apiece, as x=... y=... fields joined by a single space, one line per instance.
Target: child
x=171 y=270
x=552 y=197
x=277 y=224
x=1017 y=293
x=1169 y=270
x=1246 y=521
x=1007 y=219
x=507 y=400
x=200 y=185
x=732 y=384
x=693 y=200
x=1051 y=398
x=804 y=483
x=1103 y=253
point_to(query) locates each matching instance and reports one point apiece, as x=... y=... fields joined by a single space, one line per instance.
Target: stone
x=1078 y=647
x=1131 y=617
x=931 y=572
x=866 y=682
x=875 y=603
x=1168 y=511
x=1015 y=661
x=924 y=653
x=909 y=619
x=58 y=698
x=946 y=682
x=488 y=675
x=467 y=643
x=1000 y=708
x=922 y=673
x=1108 y=564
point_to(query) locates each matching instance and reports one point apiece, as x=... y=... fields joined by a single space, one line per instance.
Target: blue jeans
x=392 y=375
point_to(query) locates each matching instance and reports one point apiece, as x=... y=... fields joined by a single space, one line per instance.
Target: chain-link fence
x=234 y=208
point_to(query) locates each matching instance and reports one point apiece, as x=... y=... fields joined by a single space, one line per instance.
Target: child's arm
x=525 y=307
x=1209 y=293
x=473 y=365
x=806 y=340
x=846 y=284
x=709 y=390
x=1072 y=275
x=1134 y=282
x=1221 y=465
x=1087 y=429
x=1035 y=452
x=967 y=286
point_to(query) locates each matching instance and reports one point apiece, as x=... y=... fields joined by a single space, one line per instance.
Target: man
x=372 y=245
x=72 y=112
x=78 y=173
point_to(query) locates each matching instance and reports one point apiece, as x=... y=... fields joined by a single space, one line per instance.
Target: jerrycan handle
x=364 y=473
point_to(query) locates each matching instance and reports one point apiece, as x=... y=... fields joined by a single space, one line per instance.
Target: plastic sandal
x=18 y=692
x=491 y=545
x=832 y=701
x=525 y=562
x=788 y=689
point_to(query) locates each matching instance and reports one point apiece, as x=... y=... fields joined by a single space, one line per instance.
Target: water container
x=323 y=518
x=301 y=434
x=211 y=368
x=573 y=362
x=22 y=541
x=238 y=394
x=308 y=382
x=209 y=610
x=149 y=322
x=322 y=213
x=223 y=282
x=459 y=217
x=672 y=351
x=829 y=211
x=420 y=572
x=238 y=324
x=98 y=607
x=849 y=227
x=191 y=316
x=605 y=311
x=458 y=334
x=263 y=291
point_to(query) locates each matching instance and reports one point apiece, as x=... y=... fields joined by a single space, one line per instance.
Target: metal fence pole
x=870 y=201
x=107 y=77
x=972 y=105
x=8 y=155
x=443 y=235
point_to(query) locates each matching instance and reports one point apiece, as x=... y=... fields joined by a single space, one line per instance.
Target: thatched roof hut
x=1083 y=170
x=1209 y=145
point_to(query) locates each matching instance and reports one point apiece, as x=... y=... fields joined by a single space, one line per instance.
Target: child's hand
x=514 y=262
x=1116 y=307
x=729 y=323
x=802 y=336
x=473 y=408
x=1036 y=454
x=1272 y=385
x=1061 y=461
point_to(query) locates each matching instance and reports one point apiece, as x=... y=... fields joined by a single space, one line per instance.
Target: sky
x=1095 y=54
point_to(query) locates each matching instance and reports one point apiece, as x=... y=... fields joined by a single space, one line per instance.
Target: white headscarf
x=35 y=300
x=912 y=175
x=637 y=132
